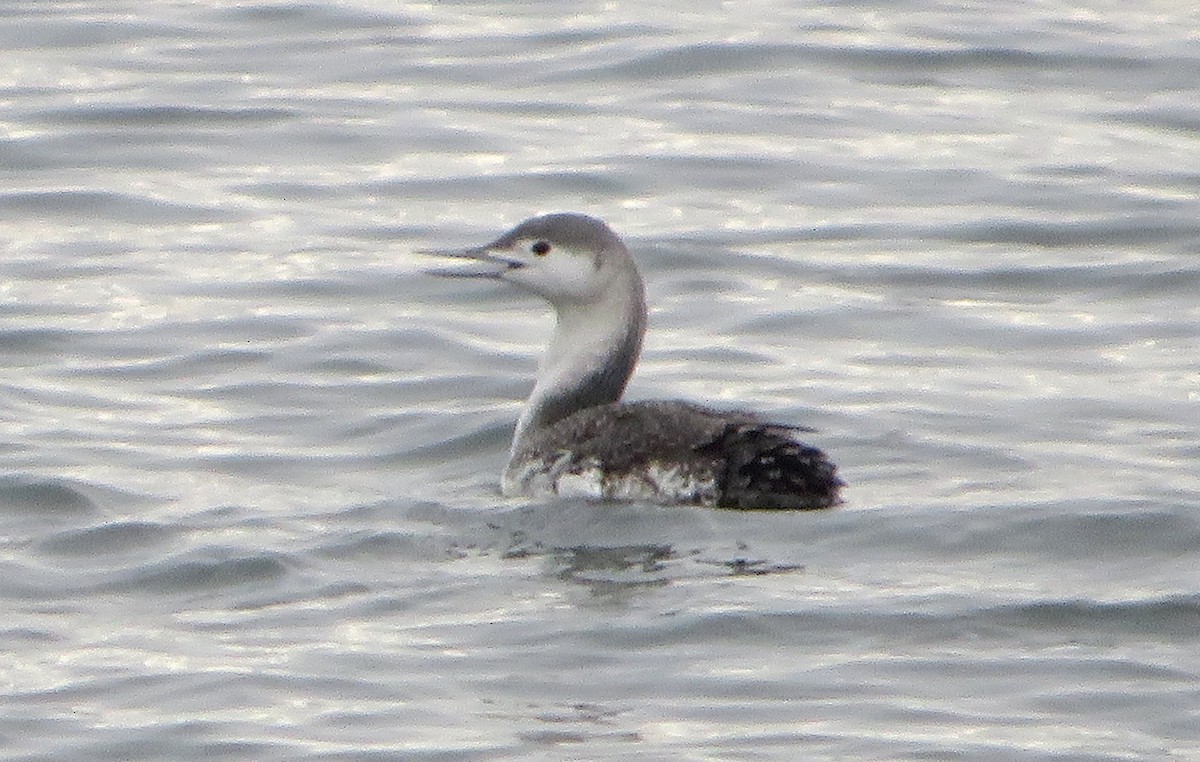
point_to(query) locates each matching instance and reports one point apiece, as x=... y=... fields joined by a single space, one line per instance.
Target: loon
x=576 y=438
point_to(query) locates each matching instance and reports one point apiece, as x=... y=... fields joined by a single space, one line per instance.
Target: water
x=249 y=462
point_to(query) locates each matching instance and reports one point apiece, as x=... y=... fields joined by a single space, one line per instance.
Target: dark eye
x=541 y=248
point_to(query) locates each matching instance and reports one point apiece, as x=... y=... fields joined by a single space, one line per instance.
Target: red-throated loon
x=575 y=438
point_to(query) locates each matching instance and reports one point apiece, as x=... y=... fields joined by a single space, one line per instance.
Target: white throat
x=591 y=355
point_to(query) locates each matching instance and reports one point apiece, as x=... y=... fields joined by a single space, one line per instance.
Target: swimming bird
x=576 y=438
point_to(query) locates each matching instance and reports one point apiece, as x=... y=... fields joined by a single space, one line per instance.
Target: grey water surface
x=249 y=454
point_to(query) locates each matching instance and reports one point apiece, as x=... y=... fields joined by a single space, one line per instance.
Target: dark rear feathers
x=766 y=469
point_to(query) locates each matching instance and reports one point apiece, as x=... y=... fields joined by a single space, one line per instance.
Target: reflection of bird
x=574 y=438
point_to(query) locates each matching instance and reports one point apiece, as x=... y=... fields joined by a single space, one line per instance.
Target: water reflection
x=616 y=571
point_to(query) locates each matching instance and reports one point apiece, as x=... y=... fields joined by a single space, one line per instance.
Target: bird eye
x=541 y=248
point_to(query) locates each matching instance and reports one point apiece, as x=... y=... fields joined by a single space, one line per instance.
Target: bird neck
x=591 y=355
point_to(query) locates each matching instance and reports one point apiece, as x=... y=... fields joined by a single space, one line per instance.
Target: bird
x=576 y=438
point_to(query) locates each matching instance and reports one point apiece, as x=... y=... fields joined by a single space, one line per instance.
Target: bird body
x=575 y=438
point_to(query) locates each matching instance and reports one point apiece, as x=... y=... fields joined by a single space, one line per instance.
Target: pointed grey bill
x=486 y=263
